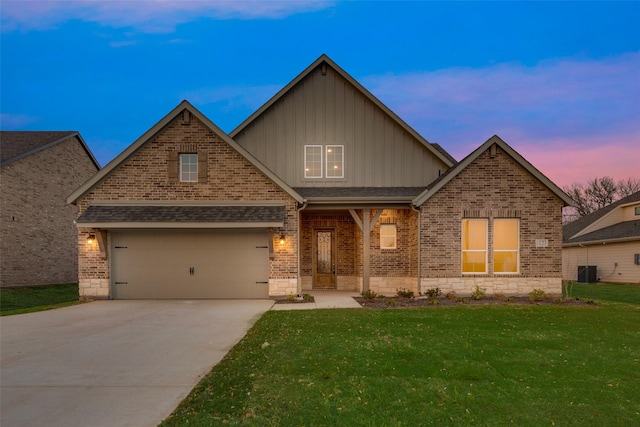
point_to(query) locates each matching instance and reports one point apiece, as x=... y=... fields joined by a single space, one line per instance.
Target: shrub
x=479 y=293
x=433 y=293
x=307 y=297
x=452 y=296
x=291 y=297
x=391 y=303
x=404 y=293
x=369 y=294
x=537 y=295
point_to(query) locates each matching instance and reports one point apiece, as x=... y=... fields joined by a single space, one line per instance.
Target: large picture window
x=506 y=245
x=335 y=160
x=474 y=246
x=189 y=167
x=313 y=161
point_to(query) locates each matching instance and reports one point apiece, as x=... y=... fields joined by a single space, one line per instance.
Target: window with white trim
x=506 y=246
x=335 y=161
x=388 y=236
x=474 y=246
x=189 y=167
x=313 y=161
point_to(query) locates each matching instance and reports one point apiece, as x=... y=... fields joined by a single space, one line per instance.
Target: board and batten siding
x=329 y=110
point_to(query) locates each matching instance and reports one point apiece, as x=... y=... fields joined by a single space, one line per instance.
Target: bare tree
x=598 y=193
x=627 y=187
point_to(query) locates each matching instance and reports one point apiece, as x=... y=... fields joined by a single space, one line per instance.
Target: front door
x=324 y=258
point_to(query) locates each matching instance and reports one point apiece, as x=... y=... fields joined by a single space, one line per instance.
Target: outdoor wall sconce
x=91 y=238
x=282 y=239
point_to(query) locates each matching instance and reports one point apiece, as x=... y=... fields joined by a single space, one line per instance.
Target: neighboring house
x=604 y=245
x=38 y=237
x=322 y=187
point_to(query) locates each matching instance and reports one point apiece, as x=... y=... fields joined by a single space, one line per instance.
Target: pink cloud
x=574 y=119
x=155 y=16
x=567 y=161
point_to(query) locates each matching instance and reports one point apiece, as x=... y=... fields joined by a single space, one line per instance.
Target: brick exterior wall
x=37 y=233
x=144 y=177
x=492 y=188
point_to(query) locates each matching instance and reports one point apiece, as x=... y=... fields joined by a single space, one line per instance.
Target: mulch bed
x=400 y=302
x=295 y=301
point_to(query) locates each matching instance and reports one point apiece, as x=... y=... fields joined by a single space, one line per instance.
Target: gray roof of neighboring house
x=16 y=145
x=580 y=224
x=359 y=192
x=621 y=230
x=182 y=214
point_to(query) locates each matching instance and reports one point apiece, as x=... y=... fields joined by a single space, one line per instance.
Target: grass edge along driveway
x=482 y=365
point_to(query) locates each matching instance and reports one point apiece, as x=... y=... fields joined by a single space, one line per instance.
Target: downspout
x=299 y=278
x=419 y=245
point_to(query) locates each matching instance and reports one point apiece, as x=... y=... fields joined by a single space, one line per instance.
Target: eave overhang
x=194 y=215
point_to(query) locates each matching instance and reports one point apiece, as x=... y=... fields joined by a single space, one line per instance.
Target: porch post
x=366 y=227
x=366 y=231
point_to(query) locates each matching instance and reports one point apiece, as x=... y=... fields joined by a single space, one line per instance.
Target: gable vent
x=186 y=117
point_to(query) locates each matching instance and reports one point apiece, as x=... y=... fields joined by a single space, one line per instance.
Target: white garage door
x=150 y=264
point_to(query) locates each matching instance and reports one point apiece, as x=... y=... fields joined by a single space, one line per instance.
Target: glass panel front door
x=324 y=274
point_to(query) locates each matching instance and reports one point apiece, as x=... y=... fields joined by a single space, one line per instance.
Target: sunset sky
x=558 y=81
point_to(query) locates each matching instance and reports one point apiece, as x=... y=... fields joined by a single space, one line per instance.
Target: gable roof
x=157 y=128
x=17 y=145
x=435 y=149
x=435 y=186
x=571 y=232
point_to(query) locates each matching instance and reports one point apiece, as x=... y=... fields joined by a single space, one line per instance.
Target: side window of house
x=506 y=245
x=313 y=161
x=189 y=167
x=388 y=236
x=474 y=246
x=335 y=160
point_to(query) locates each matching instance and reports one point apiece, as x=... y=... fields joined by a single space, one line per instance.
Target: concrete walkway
x=113 y=363
x=324 y=299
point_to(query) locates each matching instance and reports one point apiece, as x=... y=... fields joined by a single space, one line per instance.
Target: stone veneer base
x=89 y=289
x=464 y=286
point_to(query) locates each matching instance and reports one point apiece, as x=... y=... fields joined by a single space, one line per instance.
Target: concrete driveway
x=113 y=363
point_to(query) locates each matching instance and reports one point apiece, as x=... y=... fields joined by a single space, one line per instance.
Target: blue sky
x=559 y=81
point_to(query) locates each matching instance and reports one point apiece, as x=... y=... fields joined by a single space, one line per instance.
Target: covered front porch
x=359 y=248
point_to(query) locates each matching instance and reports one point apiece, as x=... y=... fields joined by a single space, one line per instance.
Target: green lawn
x=604 y=292
x=36 y=298
x=463 y=365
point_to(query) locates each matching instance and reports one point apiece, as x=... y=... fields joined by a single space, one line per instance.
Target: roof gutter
x=601 y=242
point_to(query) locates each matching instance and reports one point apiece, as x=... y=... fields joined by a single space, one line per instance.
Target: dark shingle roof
x=183 y=214
x=620 y=230
x=359 y=192
x=18 y=143
x=444 y=153
x=580 y=224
